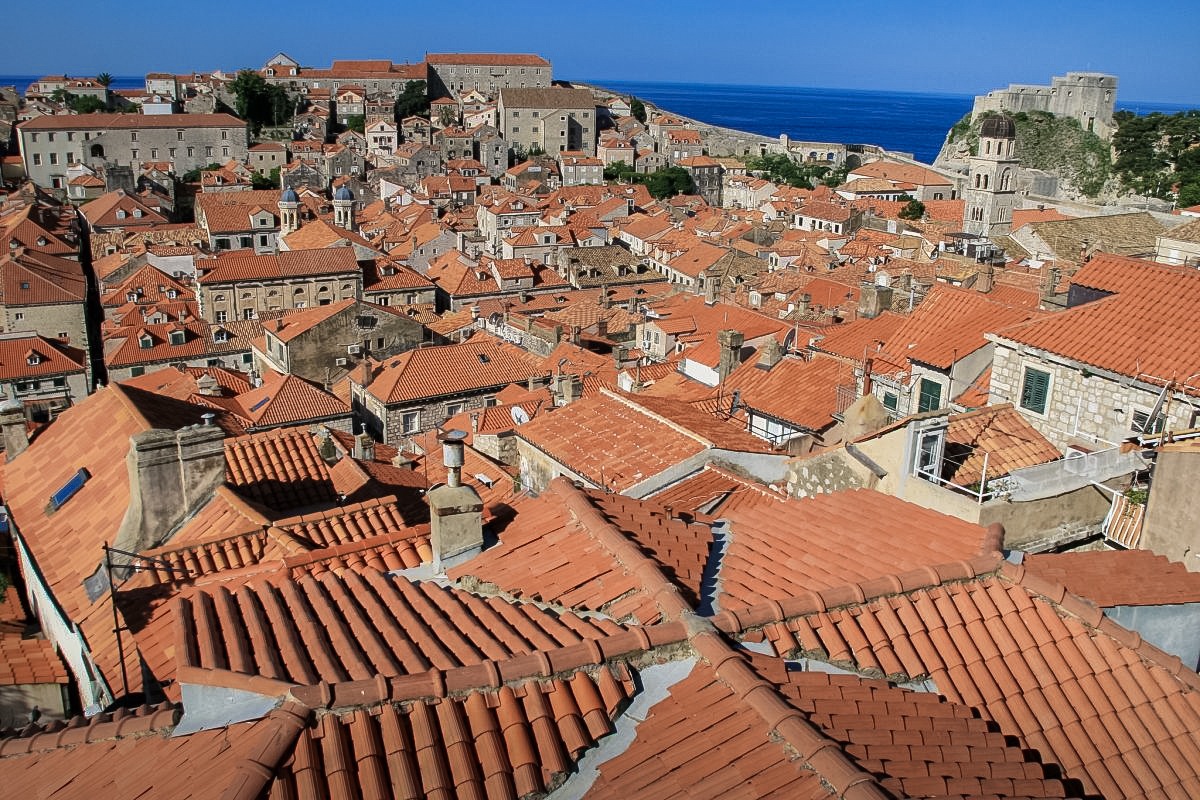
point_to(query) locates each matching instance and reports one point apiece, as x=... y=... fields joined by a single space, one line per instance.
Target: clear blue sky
x=964 y=47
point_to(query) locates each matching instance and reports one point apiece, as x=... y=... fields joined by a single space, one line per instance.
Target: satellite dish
x=519 y=415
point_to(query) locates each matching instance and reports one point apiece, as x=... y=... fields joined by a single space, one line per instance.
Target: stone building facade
x=187 y=141
x=244 y=286
x=456 y=74
x=323 y=344
x=1088 y=97
x=1081 y=402
x=551 y=120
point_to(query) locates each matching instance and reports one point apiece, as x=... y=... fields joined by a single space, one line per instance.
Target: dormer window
x=172 y=293
x=176 y=337
x=42 y=241
x=145 y=341
x=220 y=335
x=121 y=213
x=137 y=212
x=33 y=359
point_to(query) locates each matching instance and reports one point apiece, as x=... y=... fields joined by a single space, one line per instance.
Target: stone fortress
x=1089 y=97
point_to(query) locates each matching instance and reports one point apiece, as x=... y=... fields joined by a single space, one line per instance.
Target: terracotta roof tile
x=30 y=278
x=239 y=266
x=1085 y=692
x=800 y=392
x=1003 y=435
x=1145 y=328
x=481 y=362
x=782 y=548
x=359 y=623
x=1119 y=577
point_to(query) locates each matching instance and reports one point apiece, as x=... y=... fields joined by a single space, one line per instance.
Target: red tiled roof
x=976 y=395
x=1118 y=577
x=50 y=122
x=618 y=441
x=17 y=350
x=799 y=392
x=239 y=266
x=488 y=59
x=1147 y=328
x=999 y=436
x=371 y=624
x=782 y=548
x=481 y=362
x=229 y=212
x=950 y=324
x=30 y=278
x=288 y=400
x=280 y=468
x=1115 y=713
x=861 y=336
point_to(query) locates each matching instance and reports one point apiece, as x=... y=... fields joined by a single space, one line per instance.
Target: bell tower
x=992 y=180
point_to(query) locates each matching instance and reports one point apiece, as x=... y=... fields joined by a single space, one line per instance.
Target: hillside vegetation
x=1157 y=155
x=1079 y=158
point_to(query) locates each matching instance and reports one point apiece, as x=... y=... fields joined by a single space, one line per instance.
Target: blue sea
x=910 y=122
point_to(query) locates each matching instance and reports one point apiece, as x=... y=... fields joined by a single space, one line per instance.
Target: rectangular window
x=1142 y=423
x=222 y=316
x=154 y=152
x=179 y=136
x=37 y=159
x=191 y=151
x=891 y=401
x=930 y=398
x=1035 y=389
x=410 y=422
x=224 y=134
x=133 y=154
x=133 y=136
x=54 y=158
x=136 y=371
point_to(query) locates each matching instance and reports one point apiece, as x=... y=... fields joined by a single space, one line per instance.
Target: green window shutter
x=930 y=398
x=1034 y=390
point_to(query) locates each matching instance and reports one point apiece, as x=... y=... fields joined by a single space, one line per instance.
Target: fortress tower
x=992 y=179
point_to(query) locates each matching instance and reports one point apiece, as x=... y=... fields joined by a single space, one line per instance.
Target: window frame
x=1023 y=398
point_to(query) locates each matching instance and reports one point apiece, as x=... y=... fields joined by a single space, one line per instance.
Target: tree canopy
x=915 y=209
x=413 y=100
x=80 y=104
x=258 y=102
x=637 y=109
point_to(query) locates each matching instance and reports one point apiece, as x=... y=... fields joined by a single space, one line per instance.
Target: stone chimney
x=364 y=446
x=985 y=277
x=802 y=307
x=770 y=354
x=455 y=510
x=730 y=343
x=567 y=389
x=16 y=435
x=1050 y=287
x=711 y=287
x=207 y=385
x=874 y=299
x=171 y=474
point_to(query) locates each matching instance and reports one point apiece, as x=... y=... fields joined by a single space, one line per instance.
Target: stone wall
x=1079 y=403
x=822 y=474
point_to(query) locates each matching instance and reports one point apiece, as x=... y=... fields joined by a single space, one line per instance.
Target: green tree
x=668 y=182
x=637 y=109
x=271 y=181
x=104 y=79
x=620 y=171
x=258 y=102
x=915 y=209
x=413 y=100
x=447 y=116
x=356 y=122
x=193 y=175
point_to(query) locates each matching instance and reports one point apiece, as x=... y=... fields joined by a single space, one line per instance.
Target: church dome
x=343 y=193
x=998 y=127
x=289 y=196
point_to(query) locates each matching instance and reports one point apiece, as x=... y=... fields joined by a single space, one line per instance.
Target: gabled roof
x=241 y=266
x=229 y=212
x=30 y=278
x=18 y=349
x=1118 y=577
x=618 y=440
x=801 y=393
x=1147 y=329
x=998 y=436
x=479 y=363
x=950 y=324
x=288 y=400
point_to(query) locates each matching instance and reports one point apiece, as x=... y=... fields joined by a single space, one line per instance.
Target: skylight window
x=69 y=489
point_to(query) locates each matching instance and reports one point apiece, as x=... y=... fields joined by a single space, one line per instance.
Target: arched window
x=97 y=151
x=985 y=181
x=977 y=180
x=1005 y=178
